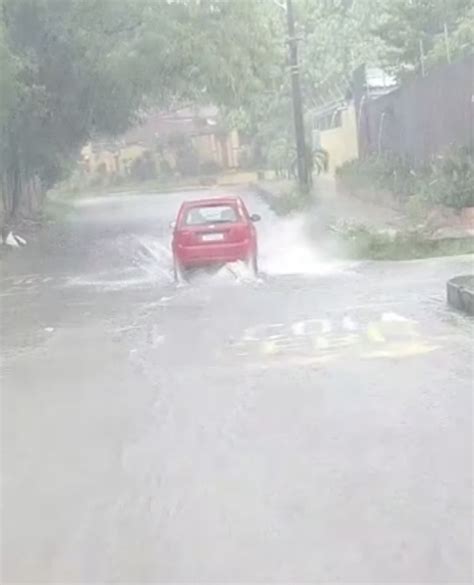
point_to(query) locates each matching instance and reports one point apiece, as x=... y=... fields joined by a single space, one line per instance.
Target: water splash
x=136 y=262
x=153 y=258
x=287 y=248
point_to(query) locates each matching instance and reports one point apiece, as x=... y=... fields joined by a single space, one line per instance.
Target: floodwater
x=310 y=425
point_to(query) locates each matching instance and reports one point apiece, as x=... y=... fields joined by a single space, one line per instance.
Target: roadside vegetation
x=446 y=180
x=361 y=242
x=444 y=185
x=291 y=200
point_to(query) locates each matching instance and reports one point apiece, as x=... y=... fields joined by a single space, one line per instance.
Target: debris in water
x=14 y=240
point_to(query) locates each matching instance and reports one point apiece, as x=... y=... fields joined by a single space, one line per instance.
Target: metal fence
x=423 y=117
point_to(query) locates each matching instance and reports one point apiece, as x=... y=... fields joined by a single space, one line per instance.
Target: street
x=312 y=425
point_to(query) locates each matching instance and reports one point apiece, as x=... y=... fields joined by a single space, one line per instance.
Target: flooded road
x=314 y=424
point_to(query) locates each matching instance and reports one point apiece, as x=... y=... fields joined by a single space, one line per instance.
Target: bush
x=116 y=180
x=246 y=159
x=362 y=242
x=417 y=209
x=446 y=180
x=279 y=156
x=450 y=180
x=210 y=167
x=383 y=171
x=187 y=161
x=282 y=158
x=294 y=200
x=143 y=168
x=166 y=171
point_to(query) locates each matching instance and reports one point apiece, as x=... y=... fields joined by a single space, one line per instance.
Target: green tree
x=410 y=31
x=62 y=87
x=456 y=43
x=78 y=68
x=9 y=86
x=335 y=39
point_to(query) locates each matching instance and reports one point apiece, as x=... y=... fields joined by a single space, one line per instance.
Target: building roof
x=377 y=78
x=185 y=122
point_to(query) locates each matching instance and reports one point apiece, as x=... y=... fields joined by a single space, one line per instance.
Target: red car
x=212 y=232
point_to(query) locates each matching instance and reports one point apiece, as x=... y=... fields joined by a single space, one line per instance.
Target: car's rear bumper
x=202 y=255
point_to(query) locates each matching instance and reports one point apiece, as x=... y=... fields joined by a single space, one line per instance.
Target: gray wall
x=423 y=117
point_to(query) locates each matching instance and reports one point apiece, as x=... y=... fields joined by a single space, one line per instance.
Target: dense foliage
x=422 y=33
x=359 y=241
x=445 y=180
x=75 y=68
x=384 y=171
x=334 y=39
x=449 y=179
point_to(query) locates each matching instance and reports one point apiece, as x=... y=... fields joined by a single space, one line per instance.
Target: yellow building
x=336 y=132
x=223 y=149
x=162 y=138
x=107 y=159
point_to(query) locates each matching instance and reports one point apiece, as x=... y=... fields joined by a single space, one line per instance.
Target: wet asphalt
x=312 y=425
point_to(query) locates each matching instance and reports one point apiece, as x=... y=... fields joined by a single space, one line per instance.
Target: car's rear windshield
x=209 y=214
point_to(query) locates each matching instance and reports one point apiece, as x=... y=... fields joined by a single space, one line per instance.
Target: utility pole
x=422 y=58
x=446 y=43
x=303 y=177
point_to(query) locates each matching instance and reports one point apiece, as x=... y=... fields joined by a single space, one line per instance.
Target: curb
x=460 y=293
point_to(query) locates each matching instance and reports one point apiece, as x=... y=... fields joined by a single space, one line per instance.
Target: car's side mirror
x=172 y=225
x=255 y=217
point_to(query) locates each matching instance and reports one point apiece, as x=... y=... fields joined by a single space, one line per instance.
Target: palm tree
x=317 y=162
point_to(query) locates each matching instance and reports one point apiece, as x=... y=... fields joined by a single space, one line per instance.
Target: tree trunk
x=36 y=196
x=16 y=192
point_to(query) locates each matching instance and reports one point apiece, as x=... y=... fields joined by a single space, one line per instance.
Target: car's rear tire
x=179 y=272
x=252 y=264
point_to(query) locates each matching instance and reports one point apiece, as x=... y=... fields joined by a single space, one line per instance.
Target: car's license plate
x=212 y=237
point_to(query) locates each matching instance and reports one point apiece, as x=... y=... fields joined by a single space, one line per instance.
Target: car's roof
x=226 y=200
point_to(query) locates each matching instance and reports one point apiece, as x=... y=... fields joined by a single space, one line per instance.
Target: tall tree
x=335 y=39
x=411 y=29
x=79 y=67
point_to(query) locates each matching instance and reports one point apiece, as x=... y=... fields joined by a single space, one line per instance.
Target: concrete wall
x=341 y=142
x=112 y=162
x=422 y=118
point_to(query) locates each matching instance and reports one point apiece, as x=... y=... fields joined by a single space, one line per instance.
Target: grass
x=361 y=243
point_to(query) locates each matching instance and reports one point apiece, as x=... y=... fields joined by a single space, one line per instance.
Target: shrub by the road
x=383 y=171
x=363 y=243
x=291 y=201
x=450 y=180
x=446 y=180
